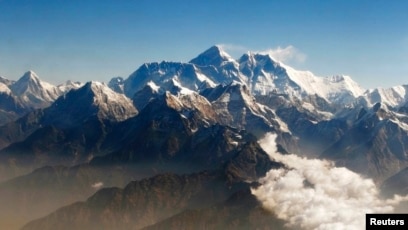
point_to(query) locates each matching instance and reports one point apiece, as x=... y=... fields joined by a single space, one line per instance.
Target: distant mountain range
x=180 y=142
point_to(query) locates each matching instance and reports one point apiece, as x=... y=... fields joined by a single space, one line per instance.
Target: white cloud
x=233 y=48
x=314 y=194
x=97 y=185
x=287 y=54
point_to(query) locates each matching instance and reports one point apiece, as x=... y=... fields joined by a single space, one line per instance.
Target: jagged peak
x=6 y=81
x=116 y=80
x=30 y=83
x=95 y=84
x=172 y=101
x=263 y=59
x=100 y=88
x=97 y=96
x=337 y=78
x=29 y=77
x=215 y=56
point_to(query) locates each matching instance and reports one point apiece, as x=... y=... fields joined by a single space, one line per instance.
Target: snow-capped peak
x=34 y=92
x=102 y=93
x=28 y=82
x=6 y=81
x=339 y=89
x=30 y=75
x=96 y=95
x=68 y=85
x=4 y=88
x=215 y=56
x=394 y=96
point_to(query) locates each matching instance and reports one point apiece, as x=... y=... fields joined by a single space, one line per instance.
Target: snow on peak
x=153 y=86
x=338 y=89
x=30 y=76
x=33 y=91
x=112 y=105
x=259 y=71
x=236 y=83
x=68 y=85
x=173 y=102
x=265 y=75
x=215 y=56
x=394 y=96
x=182 y=90
x=6 y=81
x=4 y=88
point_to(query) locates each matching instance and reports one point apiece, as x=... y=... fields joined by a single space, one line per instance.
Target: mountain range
x=174 y=145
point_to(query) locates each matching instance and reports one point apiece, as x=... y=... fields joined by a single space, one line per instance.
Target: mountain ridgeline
x=175 y=145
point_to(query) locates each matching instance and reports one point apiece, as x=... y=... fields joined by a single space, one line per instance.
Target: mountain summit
x=260 y=72
x=33 y=91
x=215 y=56
x=96 y=99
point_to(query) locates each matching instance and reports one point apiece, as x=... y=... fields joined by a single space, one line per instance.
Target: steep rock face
x=93 y=99
x=116 y=84
x=33 y=91
x=264 y=75
x=394 y=96
x=148 y=201
x=313 y=134
x=375 y=145
x=10 y=107
x=68 y=132
x=144 y=96
x=180 y=129
x=18 y=98
x=240 y=211
x=10 y=103
x=236 y=107
x=6 y=81
x=396 y=184
x=167 y=142
x=166 y=75
x=214 y=56
x=139 y=204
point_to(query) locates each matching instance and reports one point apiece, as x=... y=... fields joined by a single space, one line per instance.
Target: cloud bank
x=314 y=194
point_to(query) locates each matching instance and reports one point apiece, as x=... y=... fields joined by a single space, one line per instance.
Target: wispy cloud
x=314 y=194
x=233 y=48
x=97 y=185
x=285 y=54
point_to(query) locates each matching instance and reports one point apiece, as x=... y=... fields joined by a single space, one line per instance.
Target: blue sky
x=98 y=39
